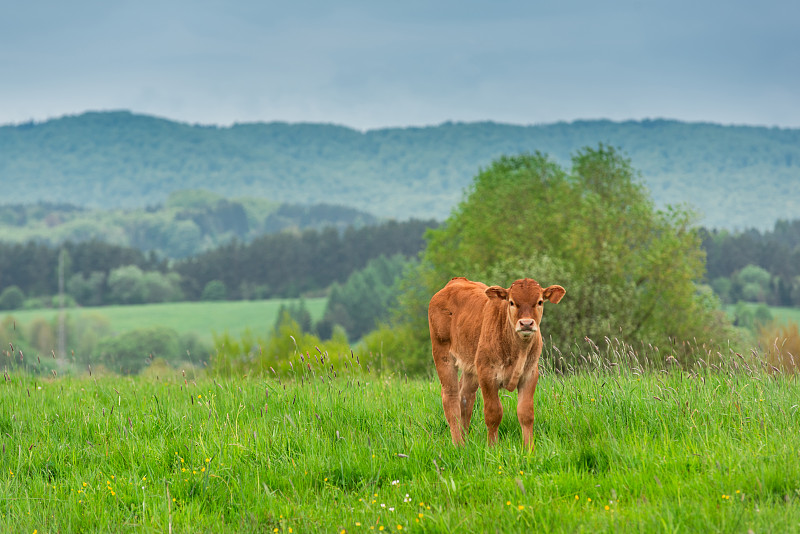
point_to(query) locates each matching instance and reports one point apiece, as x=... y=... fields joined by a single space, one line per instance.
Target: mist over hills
x=735 y=176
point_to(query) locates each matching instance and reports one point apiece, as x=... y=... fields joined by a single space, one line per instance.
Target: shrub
x=37 y=303
x=83 y=337
x=12 y=298
x=215 y=290
x=751 y=317
x=365 y=298
x=128 y=353
x=131 y=285
x=42 y=335
x=298 y=312
x=722 y=286
x=87 y=291
x=24 y=355
x=288 y=351
x=398 y=349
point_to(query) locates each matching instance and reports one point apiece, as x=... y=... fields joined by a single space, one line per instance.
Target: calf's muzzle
x=526 y=327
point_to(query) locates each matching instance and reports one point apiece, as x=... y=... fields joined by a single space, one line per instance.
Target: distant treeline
x=33 y=267
x=741 y=266
x=288 y=264
x=188 y=223
x=754 y=266
x=284 y=264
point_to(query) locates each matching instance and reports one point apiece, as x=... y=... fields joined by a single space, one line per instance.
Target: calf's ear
x=497 y=292
x=554 y=293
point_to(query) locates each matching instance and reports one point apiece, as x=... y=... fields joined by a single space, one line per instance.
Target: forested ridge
x=737 y=177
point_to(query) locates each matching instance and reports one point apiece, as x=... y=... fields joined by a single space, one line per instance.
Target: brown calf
x=492 y=334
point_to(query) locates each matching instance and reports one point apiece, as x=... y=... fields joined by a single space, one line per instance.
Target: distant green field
x=786 y=314
x=202 y=318
x=779 y=313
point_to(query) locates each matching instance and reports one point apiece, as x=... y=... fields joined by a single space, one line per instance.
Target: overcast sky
x=371 y=64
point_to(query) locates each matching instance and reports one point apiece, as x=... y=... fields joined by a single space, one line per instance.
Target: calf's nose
x=527 y=324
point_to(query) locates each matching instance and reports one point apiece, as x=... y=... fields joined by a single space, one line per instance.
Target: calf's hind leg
x=492 y=408
x=467 y=388
x=448 y=376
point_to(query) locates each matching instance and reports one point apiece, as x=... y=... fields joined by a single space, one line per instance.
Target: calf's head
x=524 y=301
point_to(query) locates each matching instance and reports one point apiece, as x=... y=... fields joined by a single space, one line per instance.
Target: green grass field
x=201 y=318
x=620 y=446
x=781 y=314
x=784 y=314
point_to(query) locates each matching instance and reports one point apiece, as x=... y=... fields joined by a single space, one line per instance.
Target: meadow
x=626 y=439
x=201 y=318
x=784 y=314
x=780 y=314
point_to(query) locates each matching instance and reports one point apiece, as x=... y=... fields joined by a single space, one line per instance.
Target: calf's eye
x=511 y=303
x=541 y=302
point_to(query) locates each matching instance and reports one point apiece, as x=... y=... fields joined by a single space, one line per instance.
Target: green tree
x=365 y=298
x=722 y=287
x=12 y=298
x=287 y=351
x=215 y=290
x=87 y=291
x=297 y=312
x=755 y=283
x=132 y=285
x=126 y=285
x=183 y=238
x=128 y=353
x=42 y=335
x=751 y=318
x=84 y=335
x=160 y=287
x=630 y=271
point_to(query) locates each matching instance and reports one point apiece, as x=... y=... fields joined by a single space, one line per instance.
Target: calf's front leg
x=525 y=407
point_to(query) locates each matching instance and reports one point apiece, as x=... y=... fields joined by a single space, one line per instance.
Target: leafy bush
x=131 y=285
x=392 y=348
x=755 y=282
x=288 y=351
x=298 y=312
x=43 y=335
x=215 y=290
x=88 y=342
x=84 y=336
x=365 y=298
x=12 y=298
x=87 y=290
x=193 y=349
x=751 y=318
x=131 y=351
x=19 y=353
x=722 y=286
x=37 y=303
x=57 y=300
x=253 y=291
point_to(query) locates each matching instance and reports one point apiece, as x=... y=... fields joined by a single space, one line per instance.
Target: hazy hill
x=737 y=176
